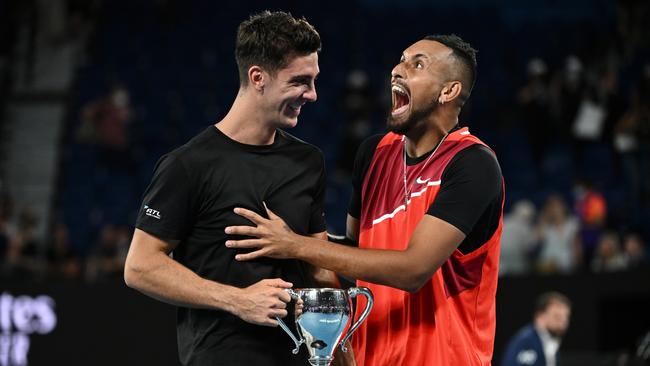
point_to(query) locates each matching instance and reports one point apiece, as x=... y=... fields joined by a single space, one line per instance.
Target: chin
x=288 y=122
x=406 y=121
x=400 y=124
x=556 y=333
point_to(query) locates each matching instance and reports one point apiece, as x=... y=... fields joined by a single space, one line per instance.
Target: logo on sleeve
x=151 y=212
x=527 y=357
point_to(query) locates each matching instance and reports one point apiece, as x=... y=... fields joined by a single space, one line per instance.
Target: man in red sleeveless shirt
x=426 y=215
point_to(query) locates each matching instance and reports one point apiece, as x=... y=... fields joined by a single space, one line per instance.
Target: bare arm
x=322 y=276
x=431 y=244
x=150 y=270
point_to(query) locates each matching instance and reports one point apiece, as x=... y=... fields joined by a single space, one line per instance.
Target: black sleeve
x=470 y=195
x=361 y=163
x=317 y=222
x=167 y=205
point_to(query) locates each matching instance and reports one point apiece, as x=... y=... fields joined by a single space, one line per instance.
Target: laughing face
x=292 y=87
x=416 y=84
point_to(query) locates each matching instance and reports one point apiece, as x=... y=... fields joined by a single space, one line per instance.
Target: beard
x=415 y=116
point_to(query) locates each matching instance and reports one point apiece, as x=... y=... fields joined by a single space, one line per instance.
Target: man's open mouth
x=401 y=99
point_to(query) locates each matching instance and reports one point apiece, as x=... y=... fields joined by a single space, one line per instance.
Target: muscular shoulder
x=470 y=195
x=475 y=163
x=476 y=157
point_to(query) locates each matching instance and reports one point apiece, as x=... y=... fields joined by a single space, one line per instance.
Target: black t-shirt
x=191 y=199
x=470 y=193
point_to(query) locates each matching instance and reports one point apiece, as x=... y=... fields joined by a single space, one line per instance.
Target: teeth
x=399 y=89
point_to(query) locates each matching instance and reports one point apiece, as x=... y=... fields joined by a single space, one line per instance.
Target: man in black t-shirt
x=227 y=309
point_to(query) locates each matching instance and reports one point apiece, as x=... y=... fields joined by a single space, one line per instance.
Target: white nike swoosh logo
x=408 y=202
x=420 y=181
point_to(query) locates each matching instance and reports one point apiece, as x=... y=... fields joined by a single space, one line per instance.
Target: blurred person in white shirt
x=518 y=239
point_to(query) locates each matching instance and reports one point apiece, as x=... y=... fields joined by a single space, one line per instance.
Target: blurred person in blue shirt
x=537 y=344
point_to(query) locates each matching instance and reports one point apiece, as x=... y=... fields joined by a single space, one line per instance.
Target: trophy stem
x=321 y=361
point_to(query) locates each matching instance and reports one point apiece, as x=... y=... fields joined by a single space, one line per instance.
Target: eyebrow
x=417 y=56
x=303 y=77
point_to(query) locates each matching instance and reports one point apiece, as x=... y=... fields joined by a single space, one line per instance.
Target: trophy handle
x=298 y=342
x=354 y=292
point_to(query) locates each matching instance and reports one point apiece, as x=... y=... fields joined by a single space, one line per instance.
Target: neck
x=246 y=122
x=425 y=137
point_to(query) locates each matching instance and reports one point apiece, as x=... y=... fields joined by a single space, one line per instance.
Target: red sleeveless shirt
x=450 y=321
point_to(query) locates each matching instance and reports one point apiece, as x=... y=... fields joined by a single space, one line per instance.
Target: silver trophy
x=322 y=316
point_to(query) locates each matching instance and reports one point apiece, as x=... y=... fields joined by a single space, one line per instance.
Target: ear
x=450 y=91
x=257 y=77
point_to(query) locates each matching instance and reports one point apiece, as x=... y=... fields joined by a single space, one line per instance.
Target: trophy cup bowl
x=324 y=320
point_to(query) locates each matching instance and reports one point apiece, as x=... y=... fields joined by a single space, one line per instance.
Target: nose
x=310 y=95
x=397 y=72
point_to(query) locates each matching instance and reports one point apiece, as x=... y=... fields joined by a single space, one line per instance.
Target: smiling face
x=416 y=84
x=289 y=89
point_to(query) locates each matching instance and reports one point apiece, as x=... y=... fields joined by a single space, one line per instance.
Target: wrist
x=299 y=244
x=226 y=298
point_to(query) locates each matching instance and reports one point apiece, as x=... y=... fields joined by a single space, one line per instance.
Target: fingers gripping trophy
x=324 y=320
x=323 y=315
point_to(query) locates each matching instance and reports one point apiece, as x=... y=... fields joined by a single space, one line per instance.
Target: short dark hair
x=462 y=52
x=544 y=300
x=271 y=40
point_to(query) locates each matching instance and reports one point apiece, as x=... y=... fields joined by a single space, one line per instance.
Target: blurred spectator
x=632 y=143
x=608 y=256
x=61 y=258
x=591 y=208
x=104 y=123
x=23 y=255
x=634 y=251
x=567 y=93
x=559 y=251
x=358 y=106
x=517 y=239
x=607 y=93
x=599 y=107
x=537 y=344
x=107 y=260
x=533 y=99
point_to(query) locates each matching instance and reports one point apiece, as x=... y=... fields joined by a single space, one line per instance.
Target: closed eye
x=302 y=80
